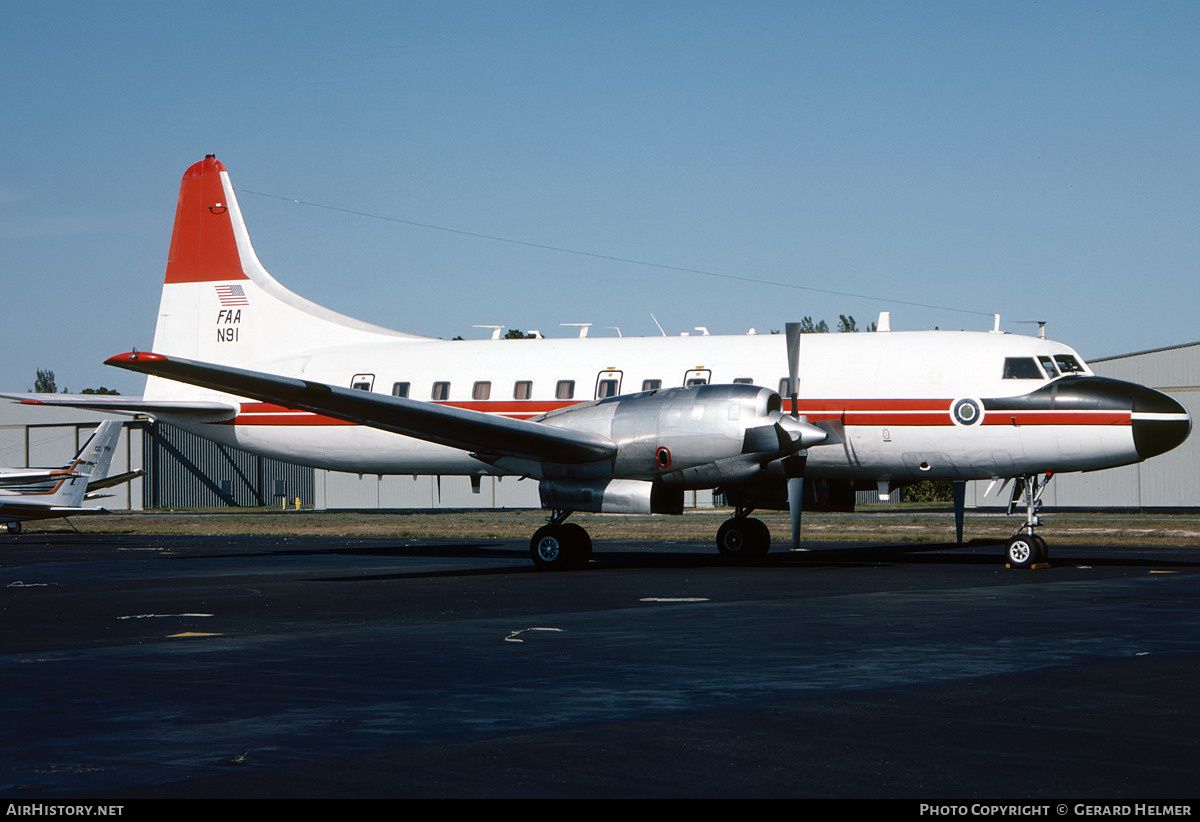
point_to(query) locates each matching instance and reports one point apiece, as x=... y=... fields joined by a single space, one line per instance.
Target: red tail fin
x=203 y=246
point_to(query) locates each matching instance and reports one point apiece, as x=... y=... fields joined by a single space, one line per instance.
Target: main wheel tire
x=743 y=539
x=1025 y=551
x=580 y=542
x=560 y=547
x=1043 y=550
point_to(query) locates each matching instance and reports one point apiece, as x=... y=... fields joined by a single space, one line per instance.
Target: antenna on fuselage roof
x=656 y=322
x=496 y=329
x=1041 y=324
x=583 y=328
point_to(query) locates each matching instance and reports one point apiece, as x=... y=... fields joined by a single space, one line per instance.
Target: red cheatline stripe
x=889 y=413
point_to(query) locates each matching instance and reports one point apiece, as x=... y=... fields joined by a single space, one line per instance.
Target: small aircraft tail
x=220 y=305
x=90 y=464
x=61 y=491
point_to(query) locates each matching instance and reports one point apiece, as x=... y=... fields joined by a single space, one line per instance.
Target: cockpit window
x=1021 y=368
x=1048 y=364
x=1068 y=364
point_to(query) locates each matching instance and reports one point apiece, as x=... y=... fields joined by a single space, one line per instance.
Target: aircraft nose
x=1160 y=423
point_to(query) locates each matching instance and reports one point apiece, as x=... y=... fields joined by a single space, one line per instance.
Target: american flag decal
x=231 y=295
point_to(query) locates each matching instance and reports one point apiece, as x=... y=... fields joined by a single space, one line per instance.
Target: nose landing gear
x=1026 y=549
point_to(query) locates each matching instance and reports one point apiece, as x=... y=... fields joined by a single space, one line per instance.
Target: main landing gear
x=564 y=546
x=560 y=545
x=742 y=537
x=1026 y=548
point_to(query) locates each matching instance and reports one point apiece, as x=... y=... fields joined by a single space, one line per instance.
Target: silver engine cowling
x=671 y=440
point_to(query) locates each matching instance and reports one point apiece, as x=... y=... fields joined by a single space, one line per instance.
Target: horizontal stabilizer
x=118 y=404
x=109 y=482
x=32 y=476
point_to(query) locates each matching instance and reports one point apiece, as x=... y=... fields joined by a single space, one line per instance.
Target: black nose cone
x=1159 y=423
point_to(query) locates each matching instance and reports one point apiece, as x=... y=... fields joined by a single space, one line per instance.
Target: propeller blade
x=792 y=332
x=793 y=469
x=795 y=490
x=960 y=505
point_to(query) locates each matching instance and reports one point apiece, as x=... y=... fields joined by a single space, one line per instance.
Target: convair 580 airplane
x=621 y=425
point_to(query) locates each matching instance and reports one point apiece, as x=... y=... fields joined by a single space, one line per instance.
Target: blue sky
x=1035 y=159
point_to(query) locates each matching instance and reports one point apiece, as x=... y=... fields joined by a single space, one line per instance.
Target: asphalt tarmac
x=319 y=667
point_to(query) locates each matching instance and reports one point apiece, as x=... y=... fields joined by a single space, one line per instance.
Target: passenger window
x=482 y=391
x=565 y=390
x=441 y=391
x=1021 y=368
x=522 y=389
x=400 y=389
x=744 y=381
x=651 y=385
x=606 y=388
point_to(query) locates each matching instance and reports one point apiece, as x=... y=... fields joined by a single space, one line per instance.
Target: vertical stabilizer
x=89 y=465
x=220 y=305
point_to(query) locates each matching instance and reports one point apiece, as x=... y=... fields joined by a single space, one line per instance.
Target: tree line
x=44 y=384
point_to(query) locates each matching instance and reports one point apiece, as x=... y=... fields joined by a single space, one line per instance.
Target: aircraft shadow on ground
x=648 y=560
x=515 y=555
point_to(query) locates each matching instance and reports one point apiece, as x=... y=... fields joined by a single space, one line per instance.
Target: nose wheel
x=1025 y=551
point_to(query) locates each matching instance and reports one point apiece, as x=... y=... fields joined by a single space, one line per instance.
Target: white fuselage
x=890 y=393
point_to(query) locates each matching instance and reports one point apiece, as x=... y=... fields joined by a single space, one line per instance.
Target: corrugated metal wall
x=187 y=471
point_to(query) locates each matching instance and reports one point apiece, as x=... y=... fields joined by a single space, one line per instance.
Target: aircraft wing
x=473 y=431
x=19 y=511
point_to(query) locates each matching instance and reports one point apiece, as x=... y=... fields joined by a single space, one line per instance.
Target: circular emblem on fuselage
x=966 y=412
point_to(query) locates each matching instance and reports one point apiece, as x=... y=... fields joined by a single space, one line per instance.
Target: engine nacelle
x=620 y=496
x=694 y=437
